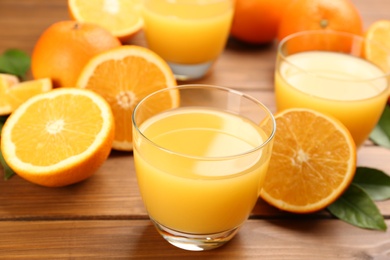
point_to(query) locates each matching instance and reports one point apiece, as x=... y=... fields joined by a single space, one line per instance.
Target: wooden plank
x=372 y=11
x=113 y=193
x=258 y=239
x=23 y=21
x=104 y=217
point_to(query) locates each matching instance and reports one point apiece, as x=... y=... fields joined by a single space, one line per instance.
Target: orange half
x=123 y=76
x=59 y=137
x=313 y=161
x=121 y=17
x=377 y=50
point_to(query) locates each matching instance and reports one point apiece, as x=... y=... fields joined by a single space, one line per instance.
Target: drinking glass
x=188 y=34
x=337 y=73
x=201 y=164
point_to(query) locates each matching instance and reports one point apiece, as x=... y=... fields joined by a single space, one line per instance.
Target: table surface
x=104 y=218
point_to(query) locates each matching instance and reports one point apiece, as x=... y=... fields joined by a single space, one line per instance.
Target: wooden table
x=104 y=218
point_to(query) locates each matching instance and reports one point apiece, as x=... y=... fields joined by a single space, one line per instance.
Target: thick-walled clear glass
x=336 y=73
x=201 y=164
x=188 y=34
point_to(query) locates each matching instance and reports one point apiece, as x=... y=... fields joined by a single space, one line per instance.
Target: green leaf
x=381 y=133
x=8 y=172
x=15 y=62
x=2 y=121
x=374 y=182
x=357 y=208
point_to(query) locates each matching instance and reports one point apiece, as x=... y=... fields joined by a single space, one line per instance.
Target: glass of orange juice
x=188 y=34
x=337 y=73
x=201 y=165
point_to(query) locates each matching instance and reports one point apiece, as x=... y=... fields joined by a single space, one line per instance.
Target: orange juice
x=206 y=174
x=349 y=88
x=185 y=33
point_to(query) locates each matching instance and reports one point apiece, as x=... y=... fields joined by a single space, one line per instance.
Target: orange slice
x=13 y=93
x=123 y=76
x=121 y=17
x=20 y=93
x=59 y=137
x=313 y=161
x=379 y=50
x=6 y=81
x=10 y=79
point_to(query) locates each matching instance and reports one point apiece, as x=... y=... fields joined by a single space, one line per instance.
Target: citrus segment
x=59 y=137
x=379 y=50
x=121 y=17
x=9 y=79
x=21 y=92
x=13 y=94
x=123 y=76
x=6 y=81
x=312 y=163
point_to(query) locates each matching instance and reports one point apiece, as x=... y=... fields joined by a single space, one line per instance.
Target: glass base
x=195 y=242
x=189 y=72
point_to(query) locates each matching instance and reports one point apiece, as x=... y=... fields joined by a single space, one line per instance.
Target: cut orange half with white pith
x=121 y=17
x=58 y=138
x=313 y=161
x=123 y=76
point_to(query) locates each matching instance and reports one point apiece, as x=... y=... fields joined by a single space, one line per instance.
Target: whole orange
x=339 y=15
x=257 y=21
x=65 y=47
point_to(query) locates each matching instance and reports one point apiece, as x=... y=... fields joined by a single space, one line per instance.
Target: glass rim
x=211 y=87
x=361 y=38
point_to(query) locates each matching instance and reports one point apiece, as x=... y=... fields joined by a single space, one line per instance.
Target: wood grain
x=258 y=239
x=104 y=217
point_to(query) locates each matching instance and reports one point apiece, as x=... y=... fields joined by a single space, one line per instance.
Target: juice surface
x=349 y=88
x=187 y=34
x=193 y=194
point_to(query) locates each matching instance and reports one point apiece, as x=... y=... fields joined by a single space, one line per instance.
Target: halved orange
x=313 y=161
x=123 y=76
x=378 y=49
x=121 y=17
x=59 y=137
